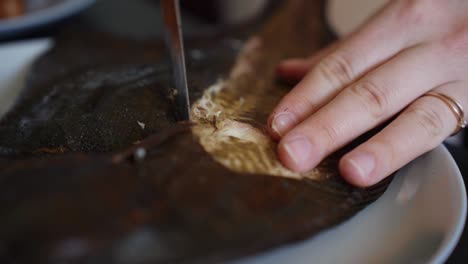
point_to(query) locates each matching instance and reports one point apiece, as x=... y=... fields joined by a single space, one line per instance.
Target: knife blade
x=174 y=42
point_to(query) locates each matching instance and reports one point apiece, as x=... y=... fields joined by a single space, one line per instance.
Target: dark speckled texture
x=168 y=209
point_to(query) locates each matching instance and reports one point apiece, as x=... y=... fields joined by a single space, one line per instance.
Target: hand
x=409 y=48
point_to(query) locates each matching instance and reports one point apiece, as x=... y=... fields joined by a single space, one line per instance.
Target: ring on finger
x=456 y=108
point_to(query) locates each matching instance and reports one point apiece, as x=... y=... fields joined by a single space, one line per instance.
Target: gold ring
x=456 y=108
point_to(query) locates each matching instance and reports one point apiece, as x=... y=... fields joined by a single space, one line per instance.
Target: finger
x=367 y=103
x=293 y=70
x=376 y=42
x=420 y=128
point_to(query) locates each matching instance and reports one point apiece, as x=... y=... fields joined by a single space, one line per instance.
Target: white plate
x=419 y=218
x=42 y=16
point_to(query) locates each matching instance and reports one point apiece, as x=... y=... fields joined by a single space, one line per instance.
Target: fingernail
x=363 y=164
x=299 y=149
x=282 y=122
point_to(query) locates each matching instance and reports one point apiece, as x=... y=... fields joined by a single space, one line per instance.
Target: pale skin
x=379 y=72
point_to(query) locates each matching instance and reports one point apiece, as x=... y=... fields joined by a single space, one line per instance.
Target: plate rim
x=42 y=17
x=451 y=241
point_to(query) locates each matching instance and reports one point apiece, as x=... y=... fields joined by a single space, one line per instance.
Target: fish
x=94 y=166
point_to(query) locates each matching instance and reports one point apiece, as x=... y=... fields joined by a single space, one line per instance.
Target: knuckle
x=336 y=68
x=298 y=104
x=428 y=119
x=386 y=151
x=457 y=41
x=373 y=97
x=413 y=11
x=330 y=134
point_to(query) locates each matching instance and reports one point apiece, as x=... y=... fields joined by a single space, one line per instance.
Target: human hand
x=383 y=69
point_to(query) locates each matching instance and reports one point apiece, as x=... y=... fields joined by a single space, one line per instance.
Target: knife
x=174 y=42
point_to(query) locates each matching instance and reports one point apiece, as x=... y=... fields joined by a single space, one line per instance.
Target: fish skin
x=187 y=210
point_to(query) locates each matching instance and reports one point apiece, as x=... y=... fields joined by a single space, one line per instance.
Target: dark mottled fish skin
x=97 y=107
x=168 y=209
x=96 y=110
x=72 y=190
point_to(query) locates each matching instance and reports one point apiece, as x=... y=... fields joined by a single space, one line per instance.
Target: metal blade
x=174 y=41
